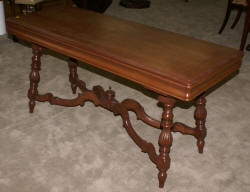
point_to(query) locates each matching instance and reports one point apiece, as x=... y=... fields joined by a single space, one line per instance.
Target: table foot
x=34 y=76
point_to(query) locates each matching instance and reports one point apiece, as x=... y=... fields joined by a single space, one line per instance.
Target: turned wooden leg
x=245 y=30
x=200 y=115
x=34 y=76
x=73 y=77
x=237 y=18
x=165 y=139
x=228 y=12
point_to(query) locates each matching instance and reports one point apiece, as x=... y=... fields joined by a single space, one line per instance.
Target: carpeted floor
x=60 y=149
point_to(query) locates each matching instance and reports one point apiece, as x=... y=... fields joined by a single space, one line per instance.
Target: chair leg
x=248 y=47
x=237 y=18
x=245 y=29
x=14 y=38
x=229 y=8
x=244 y=36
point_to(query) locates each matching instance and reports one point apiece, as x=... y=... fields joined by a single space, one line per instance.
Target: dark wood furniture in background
x=172 y=65
x=136 y=4
x=94 y=5
x=240 y=5
x=24 y=6
x=245 y=30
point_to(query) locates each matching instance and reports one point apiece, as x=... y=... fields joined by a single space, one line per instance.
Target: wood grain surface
x=165 y=62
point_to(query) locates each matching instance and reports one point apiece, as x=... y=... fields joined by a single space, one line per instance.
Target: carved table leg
x=34 y=76
x=165 y=139
x=200 y=115
x=73 y=76
x=106 y=99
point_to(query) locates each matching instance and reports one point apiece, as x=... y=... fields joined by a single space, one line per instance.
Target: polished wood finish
x=165 y=62
x=174 y=66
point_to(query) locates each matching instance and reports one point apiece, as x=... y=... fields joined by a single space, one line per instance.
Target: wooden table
x=172 y=65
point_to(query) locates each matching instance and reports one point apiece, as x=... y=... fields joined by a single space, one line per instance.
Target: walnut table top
x=165 y=62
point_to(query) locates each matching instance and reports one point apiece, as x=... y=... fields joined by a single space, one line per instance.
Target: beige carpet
x=59 y=149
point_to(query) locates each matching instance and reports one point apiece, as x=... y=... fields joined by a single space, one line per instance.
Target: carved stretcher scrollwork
x=106 y=99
